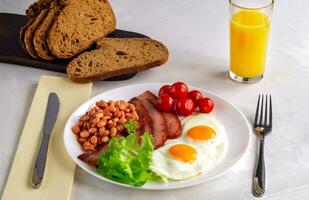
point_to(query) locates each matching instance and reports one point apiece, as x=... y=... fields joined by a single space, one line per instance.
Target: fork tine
x=261 y=114
x=270 y=112
x=257 y=112
x=266 y=111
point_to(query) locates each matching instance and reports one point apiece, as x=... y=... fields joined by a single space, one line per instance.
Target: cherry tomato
x=165 y=89
x=178 y=90
x=206 y=105
x=165 y=103
x=196 y=96
x=185 y=106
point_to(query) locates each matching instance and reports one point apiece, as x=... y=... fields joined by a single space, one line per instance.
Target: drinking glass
x=249 y=29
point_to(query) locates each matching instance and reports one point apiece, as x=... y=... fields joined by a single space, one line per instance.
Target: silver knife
x=49 y=121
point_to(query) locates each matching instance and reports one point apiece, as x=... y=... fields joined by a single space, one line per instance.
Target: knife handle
x=39 y=167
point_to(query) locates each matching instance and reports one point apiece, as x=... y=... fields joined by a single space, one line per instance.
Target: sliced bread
x=79 y=25
x=117 y=56
x=29 y=32
x=22 y=34
x=39 y=37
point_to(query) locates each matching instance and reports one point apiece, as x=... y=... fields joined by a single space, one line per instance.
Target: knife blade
x=49 y=122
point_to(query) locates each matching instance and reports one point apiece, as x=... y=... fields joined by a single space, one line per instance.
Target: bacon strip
x=157 y=121
x=92 y=157
x=172 y=121
x=151 y=118
x=144 y=119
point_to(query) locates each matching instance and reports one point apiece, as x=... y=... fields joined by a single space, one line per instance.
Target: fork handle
x=259 y=176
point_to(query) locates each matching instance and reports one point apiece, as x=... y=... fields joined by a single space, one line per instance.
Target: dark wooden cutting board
x=12 y=52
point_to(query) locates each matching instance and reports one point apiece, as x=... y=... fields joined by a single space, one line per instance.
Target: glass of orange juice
x=249 y=30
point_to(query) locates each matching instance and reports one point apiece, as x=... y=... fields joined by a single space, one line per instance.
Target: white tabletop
x=196 y=33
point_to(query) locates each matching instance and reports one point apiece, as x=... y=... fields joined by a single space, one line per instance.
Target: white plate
x=237 y=133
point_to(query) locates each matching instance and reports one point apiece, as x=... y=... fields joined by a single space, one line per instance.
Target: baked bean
x=131 y=107
x=105 y=139
x=106 y=117
x=101 y=104
x=104 y=104
x=96 y=108
x=88 y=147
x=80 y=124
x=84 y=118
x=120 y=128
x=129 y=115
x=92 y=112
x=117 y=114
x=95 y=120
x=122 y=120
x=103 y=132
x=113 y=131
x=92 y=130
x=122 y=106
x=99 y=115
x=115 y=120
x=84 y=134
x=101 y=123
x=110 y=122
x=123 y=102
x=76 y=129
x=86 y=143
x=94 y=139
x=88 y=125
x=111 y=108
x=82 y=140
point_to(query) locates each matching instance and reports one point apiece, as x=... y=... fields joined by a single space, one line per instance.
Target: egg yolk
x=183 y=152
x=201 y=133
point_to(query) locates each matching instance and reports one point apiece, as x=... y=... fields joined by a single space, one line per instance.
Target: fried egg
x=199 y=149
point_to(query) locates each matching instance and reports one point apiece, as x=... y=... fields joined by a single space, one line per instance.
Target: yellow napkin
x=59 y=171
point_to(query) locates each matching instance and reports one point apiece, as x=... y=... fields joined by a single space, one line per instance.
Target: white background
x=196 y=33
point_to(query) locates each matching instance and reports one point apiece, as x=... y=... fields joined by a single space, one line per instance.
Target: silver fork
x=262 y=127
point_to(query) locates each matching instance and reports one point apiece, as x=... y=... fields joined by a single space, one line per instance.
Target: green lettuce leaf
x=126 y=159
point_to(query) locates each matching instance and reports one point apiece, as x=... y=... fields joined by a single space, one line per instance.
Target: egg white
x=168 y=167
x=209 y=152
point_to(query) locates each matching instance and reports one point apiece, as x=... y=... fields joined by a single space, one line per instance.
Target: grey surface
x=196 y=33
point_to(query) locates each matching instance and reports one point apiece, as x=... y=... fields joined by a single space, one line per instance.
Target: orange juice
x=248 y=42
